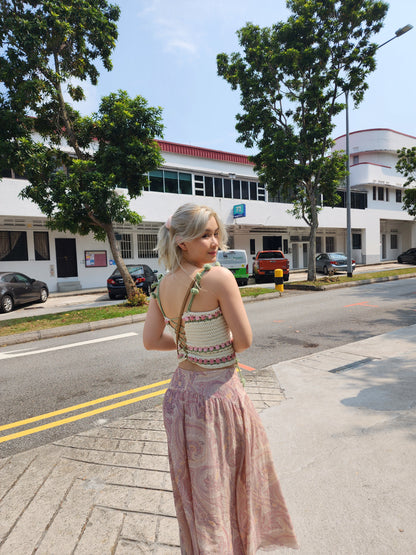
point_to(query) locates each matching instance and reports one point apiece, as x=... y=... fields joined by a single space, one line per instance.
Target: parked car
x=236 y=261
x=330 y=262
x=407 y=257
x=142 y=276
x=266 y=262
x=17 y=289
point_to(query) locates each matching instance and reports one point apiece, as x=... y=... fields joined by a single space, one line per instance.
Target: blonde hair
x=187 y=223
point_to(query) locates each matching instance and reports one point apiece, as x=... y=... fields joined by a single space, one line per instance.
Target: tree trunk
x=312 y=240
x=121 y=266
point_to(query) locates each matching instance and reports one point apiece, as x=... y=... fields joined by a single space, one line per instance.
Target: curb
x=347 y=284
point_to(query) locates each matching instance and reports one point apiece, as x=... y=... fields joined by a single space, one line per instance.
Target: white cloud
x=175 y=45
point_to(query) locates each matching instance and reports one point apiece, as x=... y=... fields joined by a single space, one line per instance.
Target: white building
x=227 y=182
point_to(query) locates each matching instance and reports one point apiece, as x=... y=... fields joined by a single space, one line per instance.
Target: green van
x=236 y=261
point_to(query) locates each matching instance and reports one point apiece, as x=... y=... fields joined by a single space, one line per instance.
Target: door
x=272 y=242
x=295 y=256
x=22 y=288
x=300 y=255
x=383 y=247
x=66 y=258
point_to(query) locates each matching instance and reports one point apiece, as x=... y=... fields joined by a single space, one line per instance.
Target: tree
x=74 y=164
x=80 y=194
x=290 y=78
x=406 y=165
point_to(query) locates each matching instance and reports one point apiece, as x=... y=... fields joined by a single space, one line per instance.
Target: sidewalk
x=341 y=424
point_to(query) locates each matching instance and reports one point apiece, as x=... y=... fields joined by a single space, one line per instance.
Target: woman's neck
x=190 y=268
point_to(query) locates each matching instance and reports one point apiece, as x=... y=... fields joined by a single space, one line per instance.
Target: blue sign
x=239 y=211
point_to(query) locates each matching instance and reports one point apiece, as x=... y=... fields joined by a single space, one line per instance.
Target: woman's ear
x=182 y=246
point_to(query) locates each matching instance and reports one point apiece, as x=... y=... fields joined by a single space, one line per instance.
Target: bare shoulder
x=220 y=278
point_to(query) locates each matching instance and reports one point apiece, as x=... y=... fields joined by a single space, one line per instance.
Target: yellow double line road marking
x=82 y=415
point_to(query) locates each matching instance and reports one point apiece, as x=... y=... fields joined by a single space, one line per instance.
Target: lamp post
x=397 y=34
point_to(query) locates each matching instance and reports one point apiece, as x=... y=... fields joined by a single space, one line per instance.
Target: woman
x=227 y=496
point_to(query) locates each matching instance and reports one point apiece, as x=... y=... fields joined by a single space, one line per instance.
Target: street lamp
x=397 y=34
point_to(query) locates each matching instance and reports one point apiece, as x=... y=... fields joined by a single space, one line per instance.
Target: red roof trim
x=188 y=150
x=377 y=129
x=370 y=164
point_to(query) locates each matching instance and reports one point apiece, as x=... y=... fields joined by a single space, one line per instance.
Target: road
x=53 y=375
x=60 y=302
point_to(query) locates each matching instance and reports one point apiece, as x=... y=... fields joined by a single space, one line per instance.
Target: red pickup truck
x=266 y=262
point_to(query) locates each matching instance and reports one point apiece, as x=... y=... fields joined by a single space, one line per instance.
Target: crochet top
x=204 y=338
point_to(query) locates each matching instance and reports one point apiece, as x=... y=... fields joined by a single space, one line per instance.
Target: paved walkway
x=341 y=425
x=104 y=491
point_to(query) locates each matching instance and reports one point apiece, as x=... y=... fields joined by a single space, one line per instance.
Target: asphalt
x=341 y=425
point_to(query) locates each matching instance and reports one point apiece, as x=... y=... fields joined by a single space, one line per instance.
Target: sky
x=166 y=52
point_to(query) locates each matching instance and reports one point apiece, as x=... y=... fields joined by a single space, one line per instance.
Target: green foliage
x=76 y=165
x=290 y=77
x=45 y=44
x=406 y=165
x=82 y=195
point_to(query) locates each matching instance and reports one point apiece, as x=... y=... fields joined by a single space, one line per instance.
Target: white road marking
x=25 y=353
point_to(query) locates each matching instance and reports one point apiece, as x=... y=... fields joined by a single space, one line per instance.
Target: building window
x=285 y=246
x=236 y=188
x=356 y=241
x=199 y=185
x=209 y=186
x=253 y=190
x=218 y=187
x=185 y=183
x=171 y=182
x=380 y=193
x=166 y=181
x=156 y=181
x=252 y=246
x=125 y=245
x=394 y=241
x=329 y=244
x=358 y=200
x=318 y=242
x=398 y=195
x=146 y=244
x=13 y=246
x=387 y=195
x=355 y=159
x=227 y=188
x=41 y=242
x=261 y=191
x=374 y=193
x=244 y=190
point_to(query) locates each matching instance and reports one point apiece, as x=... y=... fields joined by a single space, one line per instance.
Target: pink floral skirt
x=227 y=496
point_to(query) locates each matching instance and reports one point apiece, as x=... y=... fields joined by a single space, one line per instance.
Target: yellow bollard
x=278 y=280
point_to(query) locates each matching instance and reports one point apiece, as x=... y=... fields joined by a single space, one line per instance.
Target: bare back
x=174 y=287
x=217 y=288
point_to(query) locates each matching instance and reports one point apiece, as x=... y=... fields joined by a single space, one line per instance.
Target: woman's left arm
x=155 y=335
x=232 y=307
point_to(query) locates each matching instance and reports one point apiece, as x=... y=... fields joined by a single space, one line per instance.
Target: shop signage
x=239 y=211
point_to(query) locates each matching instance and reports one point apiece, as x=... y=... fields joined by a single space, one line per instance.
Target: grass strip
x=47 y=321
x=255 y=291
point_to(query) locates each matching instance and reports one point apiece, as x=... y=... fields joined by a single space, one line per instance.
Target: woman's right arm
x=155 y=335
